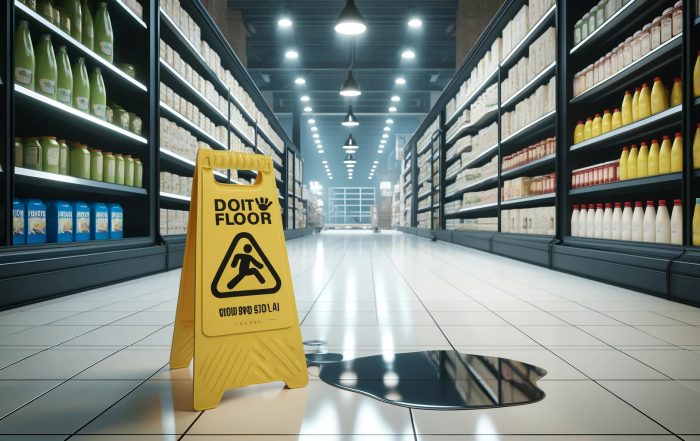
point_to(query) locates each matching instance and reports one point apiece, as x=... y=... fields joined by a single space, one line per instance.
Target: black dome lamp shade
x=350 y=87
x=350 y=144
x=350 y=120
x=350 y=21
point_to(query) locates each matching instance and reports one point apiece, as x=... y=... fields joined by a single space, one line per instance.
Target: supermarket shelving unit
x=33 y=272
x=663 y=270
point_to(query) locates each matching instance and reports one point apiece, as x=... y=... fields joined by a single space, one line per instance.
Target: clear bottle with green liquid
x=46 y=68
x=81 y=86
x=25 y=64
x=104 y=37
x=98 y=94
x=64 y=92
x=88 y=33
x=74 y=11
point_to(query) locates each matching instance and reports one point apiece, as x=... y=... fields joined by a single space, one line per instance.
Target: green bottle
x=98 y=94
x=128 y=170
x=96 y=165
x=88 y=36
x=104 y=38
x=65 y=21
x=81 y=86
x=32 y=153
x=63 y=158
x=45 y=9
x=19 y=153
x=138 y=173
x=25 y=64
x=79 y=161
x=51 y=154
x=109 y=164
x=46 y=69
x=119 y=169
x=65 y=78
x=74 y=11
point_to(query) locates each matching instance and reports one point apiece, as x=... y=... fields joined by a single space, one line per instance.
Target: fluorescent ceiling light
x=316 y=135
x=284 y=22
x=350 y=144
x=408 y=54
x=380 y=151
x=390 y=121
x=385 y=136
x=308 y=109
x=392 y=109
x=400 y=81
x=350 y=87
x=299 y=81
x=415 y=23
x=350 y=20
x=320 y=152
x=324 y=161
x=396 y=98
x=314 y=129
x=305 y=99
x=312 y=121
x=291 y=54
x=387 y=129
x=375 y=162
x=383 y=141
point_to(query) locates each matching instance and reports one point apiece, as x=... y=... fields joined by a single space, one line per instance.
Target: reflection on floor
x=619 y=364
x=438 y=380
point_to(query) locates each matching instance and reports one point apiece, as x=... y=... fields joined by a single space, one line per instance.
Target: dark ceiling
x=324 y=58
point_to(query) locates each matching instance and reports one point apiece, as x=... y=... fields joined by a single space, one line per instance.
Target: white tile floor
x=621 y=365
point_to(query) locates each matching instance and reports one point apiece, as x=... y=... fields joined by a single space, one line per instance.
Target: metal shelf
x=546 y=20
x=424 y=209
x=472 y=128
x=537 y=164
x=85 y=120
x=660 y=182
x=174 y=198
x=192 y=127
x=239 y=133
x=640 y=67
x=268 y=140
x=122 y=6
x=534 y=128
x=622 y=15
x=528 y=201
x=59 y=183
x=108 y=69
x=481 y=158
x=242 y=109
x=661 y=120
x=185 y=89
x=181 y=164
x=530 y=86
x=493 y=76
x=481 y=208
x=478 y=185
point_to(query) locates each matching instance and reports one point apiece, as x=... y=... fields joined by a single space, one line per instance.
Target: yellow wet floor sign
x=236 y=313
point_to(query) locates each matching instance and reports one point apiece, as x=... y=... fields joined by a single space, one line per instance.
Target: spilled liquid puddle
x=442 y=380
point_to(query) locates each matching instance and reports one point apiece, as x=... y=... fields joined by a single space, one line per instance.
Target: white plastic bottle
x=590 y=221
x=626 y=229
x=574 y=221
x=583 y=215
x=607 y=221
x=598 y=222
x=616 y=230
x=638 y=222
x=677 y=223
x=663 y=224
x=649 y=230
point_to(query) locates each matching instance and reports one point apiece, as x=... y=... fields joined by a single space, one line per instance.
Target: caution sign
x=236 y=314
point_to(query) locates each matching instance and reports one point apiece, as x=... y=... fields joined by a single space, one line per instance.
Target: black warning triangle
x=251 y=271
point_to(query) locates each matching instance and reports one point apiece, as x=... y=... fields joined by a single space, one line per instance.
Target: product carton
x=81 y=221
x=99 y=221
x=116 y=221
x=36 y=221
x=19 y=219
x=60 y=225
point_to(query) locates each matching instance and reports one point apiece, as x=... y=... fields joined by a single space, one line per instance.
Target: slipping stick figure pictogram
x=245 y=259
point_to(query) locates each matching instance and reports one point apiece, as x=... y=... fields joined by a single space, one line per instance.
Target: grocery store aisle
x=618 y=362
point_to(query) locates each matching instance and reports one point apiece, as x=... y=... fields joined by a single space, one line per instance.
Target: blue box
x=59 y=222
x=99 y=221
x=19 y=221
x=116 y=221
x=81 y=221
x=36 y=221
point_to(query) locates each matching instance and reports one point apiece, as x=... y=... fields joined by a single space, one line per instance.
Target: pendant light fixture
x=350 y=87
x=350 y=144
x=350 y=21
x=350 y=120
x=350 y=159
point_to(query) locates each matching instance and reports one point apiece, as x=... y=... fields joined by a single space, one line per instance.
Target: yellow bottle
x=696 y=148
x=616 y=119
x=635 y=104
x=665 y=156
x=587 y=129
x=632 y=162
x=653 y=167
x=597 y=126
x=607 y=122
x=626 y=113
x=696 y=223
x=676 y=92
x=644 y=103
x=696 y=76
x=643 y=161
x=677 y=154
x=623 y=163
x=578 y=132
x=659 y=97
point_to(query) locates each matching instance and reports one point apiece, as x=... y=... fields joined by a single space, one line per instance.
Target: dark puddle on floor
x=442 y=380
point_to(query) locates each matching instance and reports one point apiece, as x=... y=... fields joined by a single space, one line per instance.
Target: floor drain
x=315 y=343
x=318 y=359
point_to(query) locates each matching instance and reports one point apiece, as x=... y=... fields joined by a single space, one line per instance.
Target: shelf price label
x=236 y=313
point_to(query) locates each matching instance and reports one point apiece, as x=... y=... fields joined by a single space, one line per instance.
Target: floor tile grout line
x=186 y=431
x=413 y=424
x=556 y=355
x=374 y=287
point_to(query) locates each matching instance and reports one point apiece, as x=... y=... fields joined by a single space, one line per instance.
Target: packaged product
x=116 y=221
x=99 y=221
x=81 y=221
x=19 y=214
x=59 y=222
x=36 y=221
